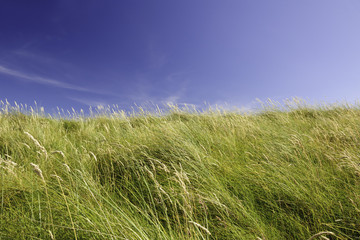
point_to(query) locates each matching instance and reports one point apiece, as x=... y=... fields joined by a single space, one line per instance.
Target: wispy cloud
x=235 y=106
x=42 y=80
x=172 y=99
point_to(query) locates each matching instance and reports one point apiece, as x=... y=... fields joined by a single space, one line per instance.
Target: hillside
x=210 y=175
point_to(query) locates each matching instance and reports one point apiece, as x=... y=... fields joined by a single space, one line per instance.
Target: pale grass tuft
x=9 y=165
x=58 y=152
x=36 y=142
x=200 y=226
x=8 y=162
x=37 y=170
x=56 y=176
x=161 y=164
x=67 y=167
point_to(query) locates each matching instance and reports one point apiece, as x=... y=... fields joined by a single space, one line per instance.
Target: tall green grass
x=275 y=174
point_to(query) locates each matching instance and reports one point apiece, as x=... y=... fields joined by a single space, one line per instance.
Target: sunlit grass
x=286 y=172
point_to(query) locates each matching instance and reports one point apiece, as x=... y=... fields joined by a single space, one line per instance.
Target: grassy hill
x=211 y=175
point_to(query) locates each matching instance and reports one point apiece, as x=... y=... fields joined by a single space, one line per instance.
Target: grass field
x=288 y=174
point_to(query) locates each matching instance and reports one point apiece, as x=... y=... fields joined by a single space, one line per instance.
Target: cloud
x=234 y=106
x=172 y=99
x=42 y=80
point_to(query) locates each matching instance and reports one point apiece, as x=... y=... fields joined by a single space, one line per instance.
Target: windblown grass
x=292 y=174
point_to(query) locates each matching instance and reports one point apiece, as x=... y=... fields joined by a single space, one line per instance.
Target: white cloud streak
x=42 y=80
x=234 y=107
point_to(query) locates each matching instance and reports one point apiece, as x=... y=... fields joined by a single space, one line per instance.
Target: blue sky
x=85 y=53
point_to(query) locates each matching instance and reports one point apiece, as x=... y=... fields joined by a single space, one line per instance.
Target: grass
x=275 y=174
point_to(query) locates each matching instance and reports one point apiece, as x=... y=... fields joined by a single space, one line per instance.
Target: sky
x=67 y=53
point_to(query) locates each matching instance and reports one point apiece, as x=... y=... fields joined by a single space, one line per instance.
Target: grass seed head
x=201 y=227
x=67 y=167
x=36 y=142
x=37 y=170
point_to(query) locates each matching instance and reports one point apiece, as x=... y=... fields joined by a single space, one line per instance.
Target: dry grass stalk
x=9 y=165
x=92 y=154
x=320 y=234
x=51 y=235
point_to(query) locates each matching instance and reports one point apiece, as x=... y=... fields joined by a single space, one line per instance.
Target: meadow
x=278 y=173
